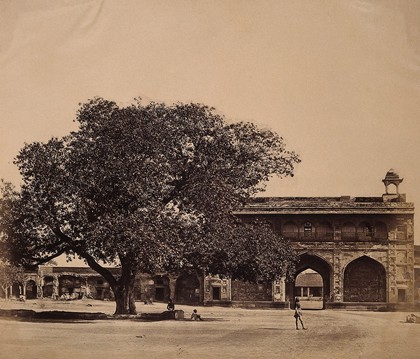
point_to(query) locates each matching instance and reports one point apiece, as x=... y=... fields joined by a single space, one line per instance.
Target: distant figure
x=170 y=306
x=195 y=315
x=412 y=318
x=148 y=300
x=298 y=314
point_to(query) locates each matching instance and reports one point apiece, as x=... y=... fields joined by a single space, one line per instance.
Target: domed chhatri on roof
x=392 y=175
x=392 y=178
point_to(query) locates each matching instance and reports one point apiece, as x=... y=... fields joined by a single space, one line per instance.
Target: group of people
x=194 y=315
x=297 y=314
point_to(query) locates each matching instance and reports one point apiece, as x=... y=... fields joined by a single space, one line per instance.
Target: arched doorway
x=161 y=288
x=309 y=288
x=30 y=289
x=70 y=286
x=16 y=290
x=48 y=287
x=187 y=289
x=309 y=263
x=364 y=281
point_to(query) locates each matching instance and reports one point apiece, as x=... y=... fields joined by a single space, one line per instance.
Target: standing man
x=298 y=314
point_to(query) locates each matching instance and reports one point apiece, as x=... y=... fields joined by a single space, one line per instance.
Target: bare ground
x=224 y=333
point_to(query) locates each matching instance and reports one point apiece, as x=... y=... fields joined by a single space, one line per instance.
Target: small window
x=368 y=230
x=307 y=229
x=365 y=231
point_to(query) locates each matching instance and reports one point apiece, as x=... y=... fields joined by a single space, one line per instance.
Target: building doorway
x=161 y=288
x=312 y=281
x=309 y=288
x=31 y=289
x=216 y=293
x=187 y=289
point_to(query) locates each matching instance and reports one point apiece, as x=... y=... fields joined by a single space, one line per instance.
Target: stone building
x=361 y=248
x=71 y=283
x=27 y=288
x=417 y=273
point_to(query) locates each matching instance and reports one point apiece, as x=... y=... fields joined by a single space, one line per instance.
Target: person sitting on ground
x=195 y=315
x=298 y=314
x=170 y=306
x=412 y=318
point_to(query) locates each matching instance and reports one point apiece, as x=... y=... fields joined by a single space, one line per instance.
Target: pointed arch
x=364 y=281
x=320 y=265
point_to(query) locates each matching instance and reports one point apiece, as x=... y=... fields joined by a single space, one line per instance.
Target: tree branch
x=75 y=247
x=43 y=260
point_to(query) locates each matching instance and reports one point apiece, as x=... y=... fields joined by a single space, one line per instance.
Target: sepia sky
x=339 y=80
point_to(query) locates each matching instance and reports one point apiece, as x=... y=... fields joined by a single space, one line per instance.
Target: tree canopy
x=151 y=188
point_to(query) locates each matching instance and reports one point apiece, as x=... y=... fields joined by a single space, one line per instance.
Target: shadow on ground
x=27 y=314
x=68 y=316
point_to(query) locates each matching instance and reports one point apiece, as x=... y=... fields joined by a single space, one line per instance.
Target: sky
x=339 y=80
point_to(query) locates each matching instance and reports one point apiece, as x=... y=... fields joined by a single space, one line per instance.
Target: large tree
x=150 y=188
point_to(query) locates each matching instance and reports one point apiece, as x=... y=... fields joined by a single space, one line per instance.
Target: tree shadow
x=64 y=316
x=84 y=317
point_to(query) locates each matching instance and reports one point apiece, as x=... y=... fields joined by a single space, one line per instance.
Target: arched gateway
x=364 y=281
x=362 y=247
x=318 y=265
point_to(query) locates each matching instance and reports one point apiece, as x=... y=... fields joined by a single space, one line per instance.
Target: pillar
x=172 y=287
x=56 y=283
x=39 y=287
x=87 y=288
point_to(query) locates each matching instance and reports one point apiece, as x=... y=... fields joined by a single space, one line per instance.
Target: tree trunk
x=123 y=287
x=124 y=294
x=5 y=289
x=201 y=277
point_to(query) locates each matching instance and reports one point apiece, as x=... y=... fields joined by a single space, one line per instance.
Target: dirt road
x=225 y=333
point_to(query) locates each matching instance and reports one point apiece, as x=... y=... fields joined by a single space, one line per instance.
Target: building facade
x=360 y=248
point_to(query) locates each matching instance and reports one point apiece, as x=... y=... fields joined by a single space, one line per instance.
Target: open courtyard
x=224 y=333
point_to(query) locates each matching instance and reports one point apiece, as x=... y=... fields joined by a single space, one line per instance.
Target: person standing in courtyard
x=298 y=314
